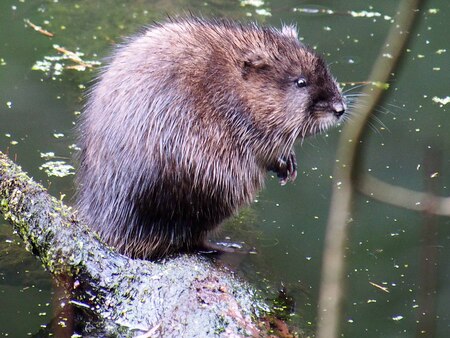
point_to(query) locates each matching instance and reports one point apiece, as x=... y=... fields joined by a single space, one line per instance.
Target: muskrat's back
x=184 y=122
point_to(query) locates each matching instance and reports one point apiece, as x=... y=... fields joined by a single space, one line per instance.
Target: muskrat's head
x=293 y=84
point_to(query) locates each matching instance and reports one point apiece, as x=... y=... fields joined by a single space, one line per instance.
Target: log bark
x=186 y=296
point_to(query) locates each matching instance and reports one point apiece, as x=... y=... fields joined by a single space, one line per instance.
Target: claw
x=285 y=168
x=292 y=166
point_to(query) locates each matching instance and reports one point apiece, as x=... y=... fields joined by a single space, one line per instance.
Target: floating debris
x=58 y=135
x=367 y=14
x=48 y=155
x=379 y=287
x=39 y=29
x=263 y=12
x=378 y=84
x=257 y=4
x=74 y=147
x=434 y=175
x=381 y=85
x=355 y=14
x=442 y=101
x=306 y=10
x=55 y=65
x=57 y=169
x=254 y=3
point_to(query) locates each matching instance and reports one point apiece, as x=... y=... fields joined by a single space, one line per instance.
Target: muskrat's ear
x=290 y=31
x=253 y=62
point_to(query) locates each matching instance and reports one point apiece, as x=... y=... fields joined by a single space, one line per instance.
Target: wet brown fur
x=183 y=124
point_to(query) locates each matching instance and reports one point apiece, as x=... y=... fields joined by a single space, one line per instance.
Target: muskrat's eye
x=301 y=82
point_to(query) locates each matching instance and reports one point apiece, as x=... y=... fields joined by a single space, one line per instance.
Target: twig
x=333 y=269
x=39 y=29
x=73 y=57
x=382 y=288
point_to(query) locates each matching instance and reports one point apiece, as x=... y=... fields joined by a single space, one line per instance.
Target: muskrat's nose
x=339 y=108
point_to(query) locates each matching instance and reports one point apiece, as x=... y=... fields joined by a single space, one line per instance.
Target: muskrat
x=183 y=124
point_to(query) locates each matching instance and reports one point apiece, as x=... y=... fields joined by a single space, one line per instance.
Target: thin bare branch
x=333 y=269
x=402 y=197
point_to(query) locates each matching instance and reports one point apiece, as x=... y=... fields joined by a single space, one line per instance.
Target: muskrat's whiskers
x=356 y=95
x=344 y=92
x=395 y=106
x=378 y=121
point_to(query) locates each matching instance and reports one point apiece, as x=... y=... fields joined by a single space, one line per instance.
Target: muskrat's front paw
x=290 y=169
x=286 y=168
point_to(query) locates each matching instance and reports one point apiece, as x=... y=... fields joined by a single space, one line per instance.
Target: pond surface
x=396 y=258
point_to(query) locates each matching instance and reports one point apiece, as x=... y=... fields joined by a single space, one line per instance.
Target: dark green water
x=388 y=246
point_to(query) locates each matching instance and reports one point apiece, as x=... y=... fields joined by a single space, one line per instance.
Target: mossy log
x=187 y=296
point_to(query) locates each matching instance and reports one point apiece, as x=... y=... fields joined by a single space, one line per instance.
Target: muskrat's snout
x=335 y=106
x=339 y=108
